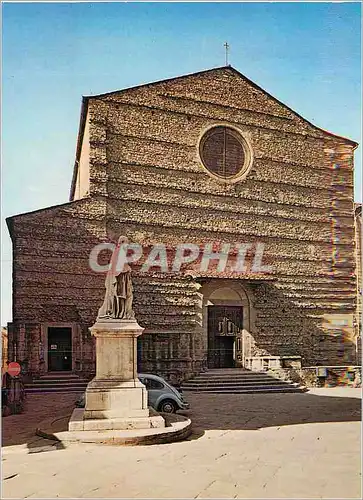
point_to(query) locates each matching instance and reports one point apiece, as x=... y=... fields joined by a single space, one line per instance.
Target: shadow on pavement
x=208 y=412
x=253 y=412
x=20 y=429
x=41 y=445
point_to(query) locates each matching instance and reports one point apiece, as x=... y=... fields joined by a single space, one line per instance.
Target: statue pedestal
x=115 y=398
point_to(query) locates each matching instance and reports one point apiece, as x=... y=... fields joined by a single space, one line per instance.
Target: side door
x=154 y=391
x=59 y=349
x=143 y=380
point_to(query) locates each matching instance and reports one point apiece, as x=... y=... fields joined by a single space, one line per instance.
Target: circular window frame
x=247 y=149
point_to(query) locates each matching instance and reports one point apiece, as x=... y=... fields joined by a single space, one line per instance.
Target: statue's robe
x=117 y=303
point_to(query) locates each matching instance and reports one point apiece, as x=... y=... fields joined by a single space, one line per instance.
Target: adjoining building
x=4 y=349
x=358 y=232
x=206 y=159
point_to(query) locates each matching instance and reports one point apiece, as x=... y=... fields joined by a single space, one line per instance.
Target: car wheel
x=167 y=406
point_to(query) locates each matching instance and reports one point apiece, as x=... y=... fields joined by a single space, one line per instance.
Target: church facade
x=213 y=162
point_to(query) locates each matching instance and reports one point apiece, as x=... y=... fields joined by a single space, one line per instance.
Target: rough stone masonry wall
x=297 y=199
x=146 y=182
x=52 y=281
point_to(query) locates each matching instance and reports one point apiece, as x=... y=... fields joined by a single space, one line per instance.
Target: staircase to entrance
x=239 y=381
x=57 y=382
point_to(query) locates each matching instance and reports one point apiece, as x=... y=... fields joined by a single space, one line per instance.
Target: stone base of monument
x=115 y=398
x=78 y=422
x=178 y=428
x=110 y=398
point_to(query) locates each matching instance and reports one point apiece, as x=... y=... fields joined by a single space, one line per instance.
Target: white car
x=162 y=396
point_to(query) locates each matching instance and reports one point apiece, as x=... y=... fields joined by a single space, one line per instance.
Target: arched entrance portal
x=226 y=320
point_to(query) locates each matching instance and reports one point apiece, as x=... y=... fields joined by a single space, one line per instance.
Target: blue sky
x=305 y=54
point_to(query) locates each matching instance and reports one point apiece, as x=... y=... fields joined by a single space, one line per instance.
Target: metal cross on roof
x=226 y=45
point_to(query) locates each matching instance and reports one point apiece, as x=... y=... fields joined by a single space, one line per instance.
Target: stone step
x=234 y=375
x=43 y=390
x=59 y=381
x=232 y=379
x=236 y=386
x=259 y=377
x=254 y=390
x=228 y=379
x=226 y=370
x=59 y=376
x=80 y=385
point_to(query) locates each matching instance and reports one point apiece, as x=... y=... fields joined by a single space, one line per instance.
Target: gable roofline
x=10 y=220
x=85 y=100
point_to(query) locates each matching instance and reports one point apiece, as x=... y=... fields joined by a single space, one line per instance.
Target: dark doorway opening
x=59 y=349
x=224 y=322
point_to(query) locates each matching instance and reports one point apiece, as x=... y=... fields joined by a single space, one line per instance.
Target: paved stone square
x=243 y=446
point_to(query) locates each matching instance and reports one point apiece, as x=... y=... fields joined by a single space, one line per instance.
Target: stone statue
x=119 y=291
